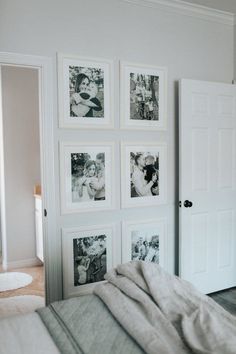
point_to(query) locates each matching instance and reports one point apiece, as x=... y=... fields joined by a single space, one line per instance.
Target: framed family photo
x=87 y=254
x=85 y=87
x=145 y=241
x=144 y=174
x=86 y=174
x=143 y=97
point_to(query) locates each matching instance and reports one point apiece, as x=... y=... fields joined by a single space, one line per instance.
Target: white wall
x=20 y=102
x=189 y=47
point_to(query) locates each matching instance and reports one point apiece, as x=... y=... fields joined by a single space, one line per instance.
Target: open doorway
x=22 y=256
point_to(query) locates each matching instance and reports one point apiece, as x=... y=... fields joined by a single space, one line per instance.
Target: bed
x=140 y=309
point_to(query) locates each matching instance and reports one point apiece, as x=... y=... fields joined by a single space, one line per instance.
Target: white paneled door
x=208 y=184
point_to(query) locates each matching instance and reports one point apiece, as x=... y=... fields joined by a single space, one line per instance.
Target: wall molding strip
x=189 y=9
x=23 y=263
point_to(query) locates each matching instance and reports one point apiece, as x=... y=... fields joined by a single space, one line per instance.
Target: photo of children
x=88 y=177
x=90 y=259
x=144 y=174
x=144 y=97
x=86 y=88
x=145 y=246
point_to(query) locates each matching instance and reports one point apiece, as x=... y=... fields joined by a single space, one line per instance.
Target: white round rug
x=18 y=305
x=14 y=280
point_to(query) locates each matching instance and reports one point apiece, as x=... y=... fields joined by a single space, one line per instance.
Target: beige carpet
x=18 y=305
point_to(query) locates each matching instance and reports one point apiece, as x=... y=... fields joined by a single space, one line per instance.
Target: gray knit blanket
x=165 y=314
x=84 y=325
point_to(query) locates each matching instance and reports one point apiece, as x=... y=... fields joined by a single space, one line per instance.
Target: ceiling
x=223 y=5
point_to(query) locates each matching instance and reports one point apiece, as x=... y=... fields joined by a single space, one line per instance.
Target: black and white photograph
x=86 y=92
x=85 y=87
x=87 y=254
x=143 y=96
x=144 y=174
x=144 y=240
x=90 y=261
x=145 y=246
x=86 y=176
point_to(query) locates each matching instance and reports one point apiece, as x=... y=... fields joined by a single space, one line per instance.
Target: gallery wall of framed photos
x=127 y=32
x=105 y=171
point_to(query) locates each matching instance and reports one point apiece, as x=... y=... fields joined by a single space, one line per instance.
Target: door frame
x=44 y=65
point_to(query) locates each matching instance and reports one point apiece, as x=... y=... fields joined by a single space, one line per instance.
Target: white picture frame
x=143 y=92
x=139 y=186
x=76 y=181
x=139 y=241
x=85 y=92
x=88 y=252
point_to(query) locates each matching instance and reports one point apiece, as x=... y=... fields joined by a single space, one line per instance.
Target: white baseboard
x=31 y=262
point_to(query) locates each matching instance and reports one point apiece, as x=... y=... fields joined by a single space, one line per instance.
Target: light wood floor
x=35 y=288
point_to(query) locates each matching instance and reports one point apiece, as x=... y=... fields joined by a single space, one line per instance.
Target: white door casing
x=52 y=248
x=208 y=180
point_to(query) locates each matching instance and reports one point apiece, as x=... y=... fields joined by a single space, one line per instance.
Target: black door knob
x=188 y=204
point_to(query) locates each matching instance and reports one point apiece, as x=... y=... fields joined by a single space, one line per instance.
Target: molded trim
x=189 y=9
x=52 y=246
x=23 y=263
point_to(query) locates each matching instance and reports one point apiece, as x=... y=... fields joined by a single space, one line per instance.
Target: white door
x=208 y=182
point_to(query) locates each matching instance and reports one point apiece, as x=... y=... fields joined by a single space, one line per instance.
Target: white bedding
x=25 y=334
x=161 y=313
x=164 y=313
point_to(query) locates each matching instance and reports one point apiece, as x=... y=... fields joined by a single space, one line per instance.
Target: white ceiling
x=223 y=5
